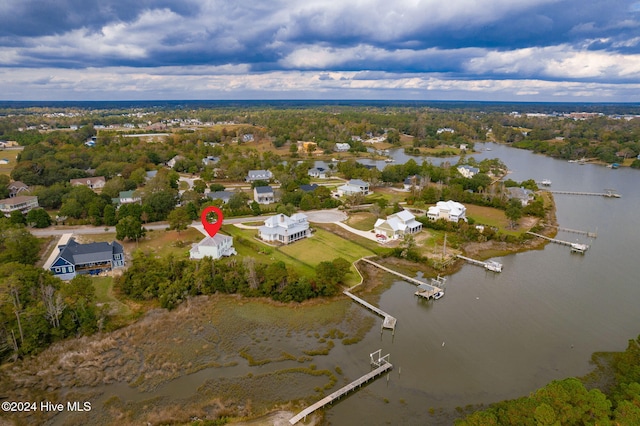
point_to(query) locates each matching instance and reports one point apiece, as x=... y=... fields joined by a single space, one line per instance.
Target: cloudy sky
x=503 y=50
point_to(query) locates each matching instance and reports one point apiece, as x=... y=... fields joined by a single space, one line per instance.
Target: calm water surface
x=501 y=336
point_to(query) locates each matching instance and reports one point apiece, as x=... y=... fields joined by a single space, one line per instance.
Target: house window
x=57 y=270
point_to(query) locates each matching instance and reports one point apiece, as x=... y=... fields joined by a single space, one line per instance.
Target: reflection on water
x=500 y=336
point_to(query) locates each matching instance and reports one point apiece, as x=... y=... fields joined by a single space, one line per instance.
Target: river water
x=501 y=336
x=492 y=336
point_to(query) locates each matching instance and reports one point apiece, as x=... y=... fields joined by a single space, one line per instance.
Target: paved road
x=318 y=216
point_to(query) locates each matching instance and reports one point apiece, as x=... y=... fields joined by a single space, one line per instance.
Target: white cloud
x=558 y=62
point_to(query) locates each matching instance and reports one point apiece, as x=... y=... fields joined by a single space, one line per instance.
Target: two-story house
x=354 y=186
x=264 y=195
x=398 y=225
x=284 y=229
x=92 y=258
x=448 y=210
x=255 y=175
x=214 y=247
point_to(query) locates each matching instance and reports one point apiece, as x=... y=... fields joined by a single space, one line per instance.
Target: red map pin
x=211 y=228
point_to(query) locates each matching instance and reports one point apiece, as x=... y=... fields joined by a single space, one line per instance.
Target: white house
x=342 y=147
x=397 y=225
x=172 y=163
x=318 y=172
x=448 y=210
x=468 y=171
x=214 y=247
x=264 y=195
x=22 y=203
x=284 y=229
x=210 y=160
x=255 y=175
x=128 y=197
x=354 y=186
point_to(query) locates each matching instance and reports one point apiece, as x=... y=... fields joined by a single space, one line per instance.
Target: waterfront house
x=284 y=229
x=525 y=196
x=397 y=225
x=92 y=258
x=447 y=210
x=214 y=247
x=468 y=171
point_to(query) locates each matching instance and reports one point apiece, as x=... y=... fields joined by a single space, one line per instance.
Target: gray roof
x=220 y=195
x=263 y=189
x=79 y=254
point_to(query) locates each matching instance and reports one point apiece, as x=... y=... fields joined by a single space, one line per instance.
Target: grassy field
x=493 y=217
x=10 y=155
x=303 y=255
x=104 y=294
x=363 y=221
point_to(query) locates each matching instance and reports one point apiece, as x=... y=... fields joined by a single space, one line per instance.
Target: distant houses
x=451 y=211
x=223 y=196
x=414 y=181
x=397 y=225
x=284 y=229
x=21 y=203
x=94 y=183
x=214 y=247
x=210 y=160
x=256 y=175
x=172 y=163
x=318 y=173
x=17 y=188
x=93 y=258
x=128 y=197
x=468 y=171
x=353 y=187
x=342 y=147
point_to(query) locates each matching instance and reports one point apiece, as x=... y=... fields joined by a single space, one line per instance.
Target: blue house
x=93 y=258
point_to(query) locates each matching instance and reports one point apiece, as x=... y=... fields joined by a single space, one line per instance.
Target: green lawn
x=303 y=255
x=104 y=294
x=491 y=217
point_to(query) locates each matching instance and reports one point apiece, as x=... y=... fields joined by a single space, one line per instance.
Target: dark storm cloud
x=549 y=40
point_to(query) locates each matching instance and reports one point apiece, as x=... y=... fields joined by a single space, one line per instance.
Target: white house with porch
x=353 y=187
x=448 y=210
x=214 y=247
x=398 y=225
x=284 y=229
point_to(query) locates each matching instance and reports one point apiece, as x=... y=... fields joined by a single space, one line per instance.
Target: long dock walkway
x=490 y=265
x=581 y=248
x=385 y=366
x=389 y=321
x=608 y=194
x=391 y=271
x=576 y=231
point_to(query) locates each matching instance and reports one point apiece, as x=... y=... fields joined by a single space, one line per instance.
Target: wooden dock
x=608 y=194
x=381 y=369
x=577 y=231
x=389 y=321
x=391 y=271
x=490 y=265
x=575 y=247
